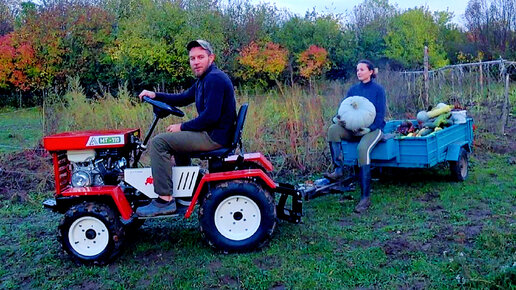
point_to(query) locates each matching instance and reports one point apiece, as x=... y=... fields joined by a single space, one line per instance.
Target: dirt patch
x=267 y=262
x=28 y=170
x=399 y=248
x=361 y=244
x=430 y=196
x=501 y=144
x=214 y=266
x=278 y=286
x=229 y=281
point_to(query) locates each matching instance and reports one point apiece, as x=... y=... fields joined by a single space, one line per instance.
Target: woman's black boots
x=364 y=176
x=337 y=159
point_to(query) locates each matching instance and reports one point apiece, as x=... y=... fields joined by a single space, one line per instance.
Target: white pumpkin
x=358 y=112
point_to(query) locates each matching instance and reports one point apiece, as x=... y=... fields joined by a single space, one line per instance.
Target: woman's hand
x=361 y=131
x=339 y=121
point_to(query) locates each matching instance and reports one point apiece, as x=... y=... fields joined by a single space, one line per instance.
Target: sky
x=341 y=6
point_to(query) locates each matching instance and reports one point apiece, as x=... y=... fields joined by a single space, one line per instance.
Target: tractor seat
x=237 y=140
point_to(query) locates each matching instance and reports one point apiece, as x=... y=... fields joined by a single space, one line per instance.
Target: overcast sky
x=341 y=6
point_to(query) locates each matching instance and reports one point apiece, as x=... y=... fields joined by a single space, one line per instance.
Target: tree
x=18 y=65
x=492 y=26
x=263 y=62
x=369 y=22
x=242 y=23
x=408 y=34
x=312 y=62
x=298 y=33
x=69 y=40
x=7 y=8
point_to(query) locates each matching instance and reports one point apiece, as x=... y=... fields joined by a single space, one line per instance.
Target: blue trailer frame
x=416 y=152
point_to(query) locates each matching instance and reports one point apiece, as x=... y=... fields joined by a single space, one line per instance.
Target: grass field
x=423 y=231
x=20 y=129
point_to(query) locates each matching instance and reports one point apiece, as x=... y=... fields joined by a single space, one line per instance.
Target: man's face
x=200 y=60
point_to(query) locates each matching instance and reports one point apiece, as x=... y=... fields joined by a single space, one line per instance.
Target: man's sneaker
x=157 y=208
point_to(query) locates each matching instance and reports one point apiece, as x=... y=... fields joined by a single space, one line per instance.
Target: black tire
x=133 y=226
x=237 y=216
x=100 y=242
x=459 y=168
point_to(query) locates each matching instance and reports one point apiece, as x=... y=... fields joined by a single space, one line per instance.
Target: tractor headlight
x=81 y=179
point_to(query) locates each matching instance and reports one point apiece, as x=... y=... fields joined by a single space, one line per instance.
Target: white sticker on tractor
x=184 y=180
x=105 y=140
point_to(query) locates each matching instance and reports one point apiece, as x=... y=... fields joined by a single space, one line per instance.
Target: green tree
x=298 y=33
x=369 y=22
x=408 y=34
x=454 y=40
x=151 y=45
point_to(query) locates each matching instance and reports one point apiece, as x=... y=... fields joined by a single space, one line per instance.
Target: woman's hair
x=370 y=66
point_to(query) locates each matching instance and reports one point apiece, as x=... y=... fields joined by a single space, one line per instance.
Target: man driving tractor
x=213 y=128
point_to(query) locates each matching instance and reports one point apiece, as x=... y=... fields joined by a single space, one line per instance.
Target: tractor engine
x=96 y=167
x=91 y=158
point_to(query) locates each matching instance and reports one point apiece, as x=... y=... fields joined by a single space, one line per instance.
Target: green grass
x=20 y=128
x=423 y=231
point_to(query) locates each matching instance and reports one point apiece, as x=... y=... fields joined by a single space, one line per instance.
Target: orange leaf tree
x=18 y=66
x=263 y=62
x=313 y=61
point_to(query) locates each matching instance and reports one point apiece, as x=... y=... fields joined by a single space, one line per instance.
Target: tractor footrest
x=294 y=213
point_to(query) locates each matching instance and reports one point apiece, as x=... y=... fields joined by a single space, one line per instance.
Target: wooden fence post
x=505 y=108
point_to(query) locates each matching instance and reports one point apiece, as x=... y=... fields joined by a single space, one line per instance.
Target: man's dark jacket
x=214 y=99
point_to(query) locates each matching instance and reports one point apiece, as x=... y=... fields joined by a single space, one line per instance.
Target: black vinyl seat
x=236 y=143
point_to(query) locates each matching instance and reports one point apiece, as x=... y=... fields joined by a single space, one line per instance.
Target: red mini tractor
x=99 y=185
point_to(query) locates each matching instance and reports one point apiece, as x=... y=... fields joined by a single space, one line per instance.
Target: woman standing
x=368 y=137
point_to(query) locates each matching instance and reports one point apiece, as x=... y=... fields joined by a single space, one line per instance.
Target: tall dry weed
x=289 y=128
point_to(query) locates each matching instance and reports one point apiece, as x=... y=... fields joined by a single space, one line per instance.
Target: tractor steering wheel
x=162 y=110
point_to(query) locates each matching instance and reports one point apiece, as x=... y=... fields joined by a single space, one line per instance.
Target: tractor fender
x=230 y=175
x=256 y=157
x=110 y=191
x=453 y=150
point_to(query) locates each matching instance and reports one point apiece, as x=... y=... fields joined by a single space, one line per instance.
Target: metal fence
x=485 y=89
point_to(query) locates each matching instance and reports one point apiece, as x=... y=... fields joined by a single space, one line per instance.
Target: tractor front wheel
x=237 y=216
x=91 y=233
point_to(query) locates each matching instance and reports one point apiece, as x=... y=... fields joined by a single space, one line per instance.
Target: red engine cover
x=91 y=139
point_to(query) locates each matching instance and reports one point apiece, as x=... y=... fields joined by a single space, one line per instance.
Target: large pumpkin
x=358 y=112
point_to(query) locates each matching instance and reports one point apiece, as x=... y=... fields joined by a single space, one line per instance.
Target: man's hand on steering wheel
x=174 y=128
x=149 y=94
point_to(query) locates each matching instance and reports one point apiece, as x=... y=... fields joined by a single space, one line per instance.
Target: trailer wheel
x=91 y=233
x=237 y=216
x=459 y=168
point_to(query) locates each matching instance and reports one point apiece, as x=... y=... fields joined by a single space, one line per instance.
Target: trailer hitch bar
x=294 y=213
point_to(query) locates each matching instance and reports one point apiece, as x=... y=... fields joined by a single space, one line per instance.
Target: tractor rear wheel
x=91 y=233
x=237 y=216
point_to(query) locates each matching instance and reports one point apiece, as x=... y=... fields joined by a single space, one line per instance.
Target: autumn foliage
x=18 y=66
x=313 y=61
x=269 y=59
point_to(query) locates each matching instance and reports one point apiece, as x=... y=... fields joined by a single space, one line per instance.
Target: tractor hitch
x=294 y=213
